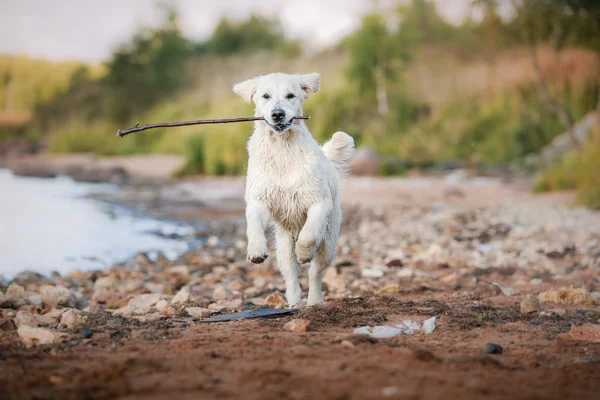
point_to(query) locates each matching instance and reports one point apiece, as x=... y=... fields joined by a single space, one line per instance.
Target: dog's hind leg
x=325 y=254
x=313 y=231
x=288 y=265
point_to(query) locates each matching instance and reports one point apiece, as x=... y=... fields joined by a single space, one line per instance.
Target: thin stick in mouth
x=138 y=128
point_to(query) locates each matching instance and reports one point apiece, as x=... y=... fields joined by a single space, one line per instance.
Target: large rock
x=365 y=162
x=54 y=296
x=567 y=296
x=31 y=336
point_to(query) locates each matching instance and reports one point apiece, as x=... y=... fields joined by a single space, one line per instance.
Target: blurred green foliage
x=415 y=88
x=578 y=171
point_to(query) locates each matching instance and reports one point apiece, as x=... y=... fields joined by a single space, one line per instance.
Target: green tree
x=256 y=33
x=376 y=59
x=148 y=69
x=420 y=23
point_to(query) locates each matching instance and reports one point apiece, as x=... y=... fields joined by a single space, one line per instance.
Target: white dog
x=292 y=182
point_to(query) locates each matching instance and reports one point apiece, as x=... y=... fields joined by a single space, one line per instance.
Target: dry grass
x=438 y=76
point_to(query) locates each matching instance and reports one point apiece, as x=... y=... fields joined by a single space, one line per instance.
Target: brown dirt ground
x=257 y=359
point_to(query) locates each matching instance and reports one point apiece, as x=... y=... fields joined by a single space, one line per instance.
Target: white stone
x=145 y=300
x=15 y=291
x=105 y=282
x=72 y=318
x=378 y=332
x=429 y=325
x=31 y=336
x=162 y=305
x=182 y=298
x=53 y=296
x=213 y=241
x=126 y=311
x=372 y=273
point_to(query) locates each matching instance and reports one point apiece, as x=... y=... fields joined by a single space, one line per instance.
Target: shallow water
x=50 y=225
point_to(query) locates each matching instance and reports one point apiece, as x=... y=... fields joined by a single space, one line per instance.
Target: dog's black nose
x=278 y=115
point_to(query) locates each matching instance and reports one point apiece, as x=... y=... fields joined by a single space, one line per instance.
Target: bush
x=579 y=171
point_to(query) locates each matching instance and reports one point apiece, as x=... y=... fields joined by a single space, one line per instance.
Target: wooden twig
x=138 y=128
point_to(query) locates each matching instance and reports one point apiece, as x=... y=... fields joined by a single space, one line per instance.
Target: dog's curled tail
x=339 y=150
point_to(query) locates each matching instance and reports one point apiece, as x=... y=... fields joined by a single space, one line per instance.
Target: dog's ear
x=310 y=82
x=246 y=90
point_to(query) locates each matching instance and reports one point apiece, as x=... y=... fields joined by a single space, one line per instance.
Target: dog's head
x=278 y=97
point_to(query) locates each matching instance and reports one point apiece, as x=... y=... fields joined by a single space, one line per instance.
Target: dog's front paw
x=305 y=252
x=257 y=254
x=258 y=259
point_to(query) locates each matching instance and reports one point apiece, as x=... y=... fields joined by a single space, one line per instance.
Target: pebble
x=297 y=325
x=371 y=273
x=145 y=300
x=181 y=298
x=72 y=318
x=54 y=296
x=493 y=348
x=275 y=300
x=15 y=291
x=531 y=304
x=31 y=336
x=86 y=333
x=105 y=282
x=126 y=311
x=162 y=305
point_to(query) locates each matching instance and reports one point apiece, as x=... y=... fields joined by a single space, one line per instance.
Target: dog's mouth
x=280 y=128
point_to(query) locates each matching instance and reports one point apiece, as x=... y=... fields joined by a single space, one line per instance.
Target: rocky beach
x=512 y=280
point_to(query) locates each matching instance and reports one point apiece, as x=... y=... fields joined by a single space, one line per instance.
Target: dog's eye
x=290 y=96
x=266 y=96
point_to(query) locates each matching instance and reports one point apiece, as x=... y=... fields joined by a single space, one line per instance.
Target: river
x=51 y=225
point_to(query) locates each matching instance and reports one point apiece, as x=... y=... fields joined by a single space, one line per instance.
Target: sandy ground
x=544 y=356
x=257 y=359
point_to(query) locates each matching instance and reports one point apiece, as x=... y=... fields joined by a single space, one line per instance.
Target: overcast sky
x=91 y=29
